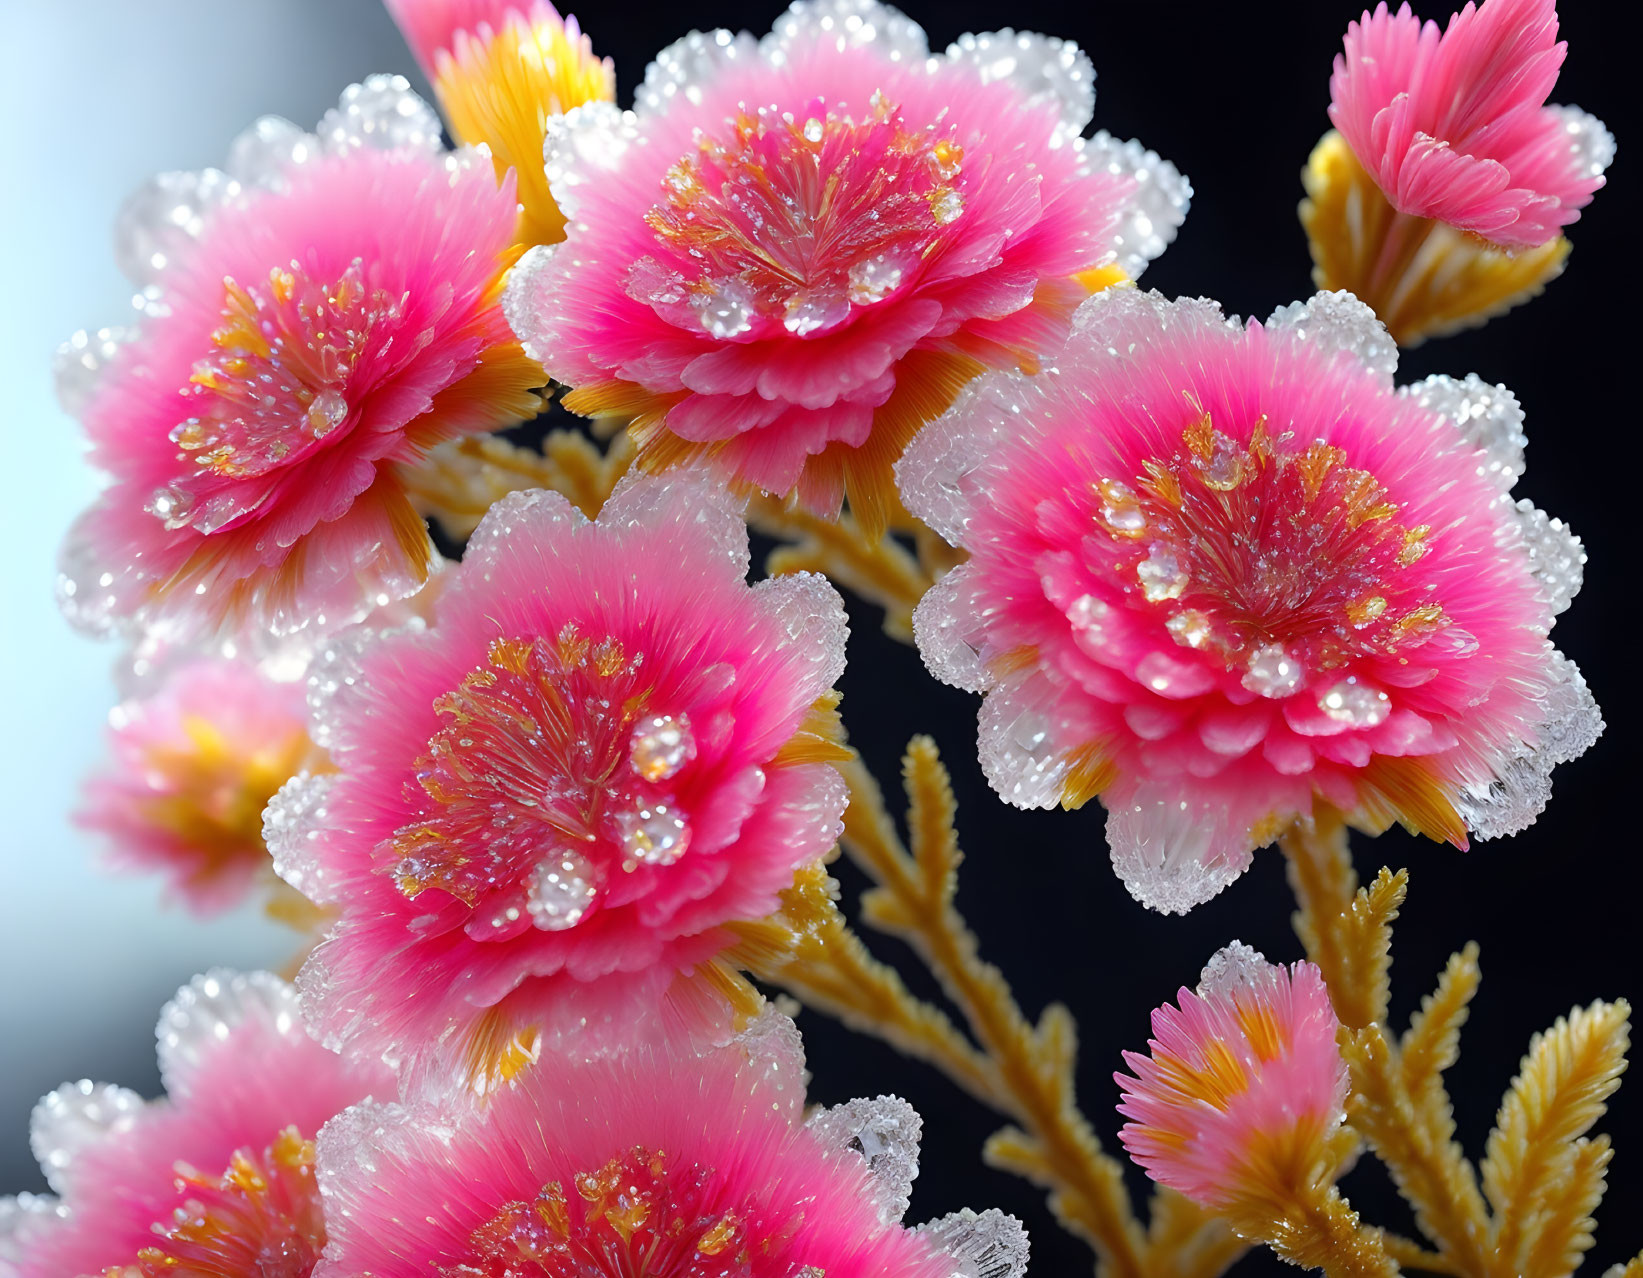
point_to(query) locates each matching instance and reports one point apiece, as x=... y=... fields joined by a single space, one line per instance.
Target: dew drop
x=946 y=205
x=1161 y=574
x=1272 y=672
x=560 y=892
x=873 y=279
x=728 y=310
x=326 y=412
x=652 y=833
x=1190 y=628
x=661 y=746
x=1355 y=703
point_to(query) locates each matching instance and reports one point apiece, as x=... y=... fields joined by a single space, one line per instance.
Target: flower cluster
x=548 y=807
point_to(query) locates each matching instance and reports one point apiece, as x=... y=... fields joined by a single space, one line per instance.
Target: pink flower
x=548 y=802
x=798 y=249
x=211 y=1179
x=653 y=1161
x=194 y=764
x=1454 y=126
x=1219 y=572
x=312 y=321
x=1243 y=1084
x=502 y=70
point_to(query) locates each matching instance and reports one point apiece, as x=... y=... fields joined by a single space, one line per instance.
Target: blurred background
x=102 y=93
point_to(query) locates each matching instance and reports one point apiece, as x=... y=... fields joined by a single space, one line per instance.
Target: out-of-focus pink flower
x=312 y=320
x=657 y=1160
x=193 y=765
x=549 y=801
x=796 y=250
x=502 y=70
x=216 y=1178
x=1454 y=126
x=1243 y=1083
x=1219 y=572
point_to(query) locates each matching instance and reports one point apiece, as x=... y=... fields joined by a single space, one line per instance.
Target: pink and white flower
x=656 y=1160
x=217 y=1177
x=1242 y=1085
x=1454 y=125
x=192 y=766
x=550 y=800
x=311 y=320
x=1220 y=572
x=796 y=250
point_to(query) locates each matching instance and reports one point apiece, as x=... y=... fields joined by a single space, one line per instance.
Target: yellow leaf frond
x=1561 y=1089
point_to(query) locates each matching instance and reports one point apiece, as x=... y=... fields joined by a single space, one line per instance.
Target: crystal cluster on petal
x=1242 y=1082
x=312 y=320
x=548 y=801
x=796 y=250
x=217 y=1177
x=1220 y=572
x=660 y=1160
x=192 y=765
x=502 y=70
x=1453 y=125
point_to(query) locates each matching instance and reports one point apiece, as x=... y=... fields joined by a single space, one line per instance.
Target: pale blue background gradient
x=97 y=95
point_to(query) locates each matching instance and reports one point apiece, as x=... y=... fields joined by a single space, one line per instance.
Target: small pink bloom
x=549 y=801
x=656 y=1160
x=209 y=1180
x=796 y=250
x=1243 y=1084
x=1454 y=126
x=312 y=320
x=1219 y=571
x=194 y=764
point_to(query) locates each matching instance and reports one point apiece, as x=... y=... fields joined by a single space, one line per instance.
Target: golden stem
x=1057 y=1146
x=1345 y=936
x=1323 y=1232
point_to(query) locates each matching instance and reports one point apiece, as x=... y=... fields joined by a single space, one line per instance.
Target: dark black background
x=1235 y=95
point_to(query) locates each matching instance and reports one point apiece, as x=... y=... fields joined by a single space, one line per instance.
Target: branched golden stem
x=1346 y=930
x=459 y=481
x=878 y=570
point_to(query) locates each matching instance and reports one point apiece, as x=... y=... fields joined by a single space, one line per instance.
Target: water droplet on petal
x=1272 y=672
x=561 y=891
x=1190 y=628
x=873 y=279
x=652 y=833
x=815 y=309
x=1161 y=574
x=661 y=746
x=946 y=205
x=326 y=412
x=1355 y=703
x=727 y=311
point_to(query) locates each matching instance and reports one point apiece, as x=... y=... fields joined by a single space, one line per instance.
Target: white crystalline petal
x=1556 y=556
x=846 y=24
x=1043 y=68
x=987 y=1244
x=1171 y=855
x=91 y=592
x=944 y=473
x=584 y=146
x=265 y=153
x=686 y=66
x=381 y=113
x=207 y=1011
x=885 y=1132
x=812 y=618
x=684 y=498
x=1016 y=741
x=528 y=302
x=77 y=365
x=1570 y=724
x=75 y=1117
x=1340 y=322
x=775 y=1048
x=1590 y=142
x=1489 y=417
x=1157 y=208
x=951 y=610
x=292 y=825
x=159 y=222
x=22 y=1216
x=530 y=514
x=350 y=1147
x=1234 y=967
